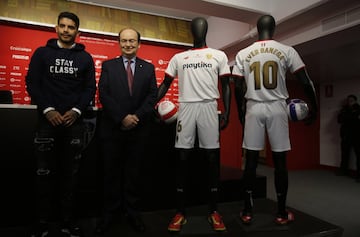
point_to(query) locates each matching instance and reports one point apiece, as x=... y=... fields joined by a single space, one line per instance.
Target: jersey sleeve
x=295 y=61
x=171 y=69
x=224 y=68
x=238 y=69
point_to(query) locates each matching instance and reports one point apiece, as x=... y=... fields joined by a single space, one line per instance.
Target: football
x=167 y=111
x=297 y=109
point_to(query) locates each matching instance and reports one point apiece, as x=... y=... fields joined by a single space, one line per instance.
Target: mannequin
x=193 y=94
x=199 y=28
x=247 y=94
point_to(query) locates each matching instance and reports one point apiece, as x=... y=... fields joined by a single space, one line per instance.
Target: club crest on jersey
x=209 y=56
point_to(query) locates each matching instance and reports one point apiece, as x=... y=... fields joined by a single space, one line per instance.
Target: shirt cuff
x=76 y=110
x=48 y=109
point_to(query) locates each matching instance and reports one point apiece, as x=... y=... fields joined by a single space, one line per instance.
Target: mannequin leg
x=213 y=162
x=181 y=176
x=281 y=180
x=249 y=177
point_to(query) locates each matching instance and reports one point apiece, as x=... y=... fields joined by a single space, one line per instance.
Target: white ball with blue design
x=297 y=109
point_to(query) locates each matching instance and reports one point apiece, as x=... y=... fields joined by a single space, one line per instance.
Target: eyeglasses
x=131 y=41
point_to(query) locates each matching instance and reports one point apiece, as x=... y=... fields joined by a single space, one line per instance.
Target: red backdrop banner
x=19 y=41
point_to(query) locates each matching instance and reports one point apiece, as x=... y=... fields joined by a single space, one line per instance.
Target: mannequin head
x=199 y=27
x=266 y=27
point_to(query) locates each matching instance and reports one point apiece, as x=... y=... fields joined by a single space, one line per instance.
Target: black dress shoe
x=102 y=225
x=136 y=223
x=100 y=229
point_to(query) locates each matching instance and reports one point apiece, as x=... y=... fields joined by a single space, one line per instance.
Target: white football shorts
x=201 y=117
x=269 y=116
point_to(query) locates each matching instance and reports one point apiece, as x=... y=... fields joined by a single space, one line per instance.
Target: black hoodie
x=61 y=78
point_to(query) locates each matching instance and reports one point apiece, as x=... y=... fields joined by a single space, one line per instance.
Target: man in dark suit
x=128 y=96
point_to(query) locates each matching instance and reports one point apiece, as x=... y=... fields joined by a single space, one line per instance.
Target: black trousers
x=347 y=144
x=122 y=155
x=58 y=153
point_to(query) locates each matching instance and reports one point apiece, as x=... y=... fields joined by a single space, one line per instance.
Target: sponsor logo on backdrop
x=160 y=69
x=15 y=80
x=162 y=62
x=19 y=74
x=18 y=48
x=20 y=57
x=16 y=92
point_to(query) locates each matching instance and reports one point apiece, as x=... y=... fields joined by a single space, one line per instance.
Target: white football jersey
x=264 y=65
x=198 y=72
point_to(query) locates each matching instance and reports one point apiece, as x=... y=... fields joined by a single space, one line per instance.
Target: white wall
x=329 y=128
x=223 y=32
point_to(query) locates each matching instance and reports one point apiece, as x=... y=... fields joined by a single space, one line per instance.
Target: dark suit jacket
x=115 y=97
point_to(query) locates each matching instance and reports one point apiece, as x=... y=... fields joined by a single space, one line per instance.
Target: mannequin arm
x=240 y=89
x=309 y=90
x=226 y=94
x=164 y=87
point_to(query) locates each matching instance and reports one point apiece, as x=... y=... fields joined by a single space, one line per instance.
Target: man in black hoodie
x=61 y=82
